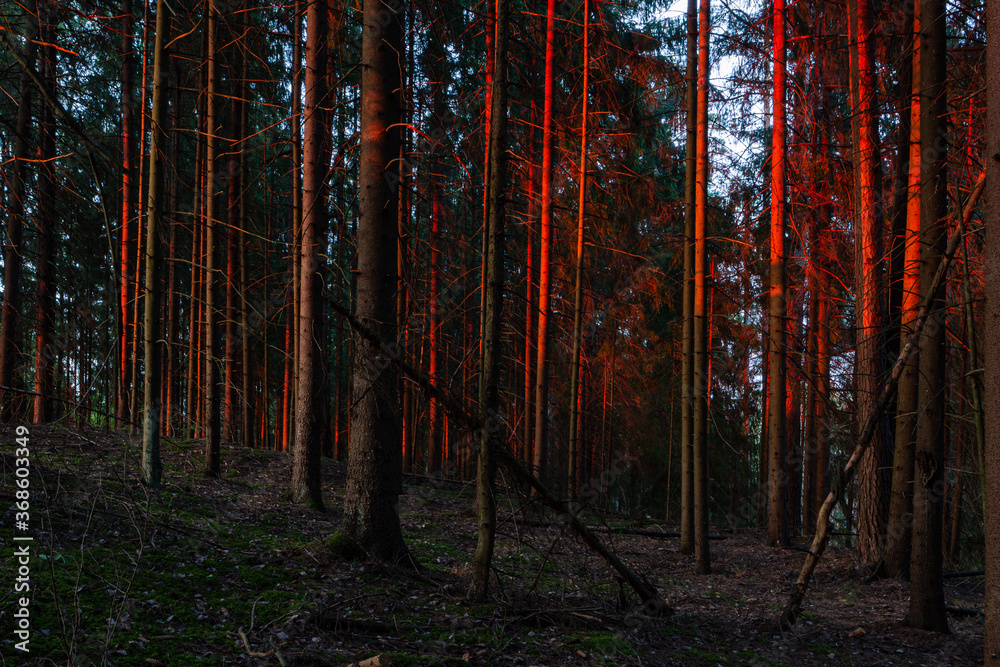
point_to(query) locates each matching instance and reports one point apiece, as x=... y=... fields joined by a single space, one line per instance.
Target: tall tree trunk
x=686 y=545
x=574 y=384
x=309 y=424
x=126 y=270
x=873 y=477
x=701 y=306
x=45 y=299
x=374 y=466
x=211 y=383
x=926 y=583
x=292 y=332
x=152 y=337
x=490 y=437
x=991 y=342
x=896 y=559
x=777 y=514
x=13 y=247
x=545 y=250
x=234 y=196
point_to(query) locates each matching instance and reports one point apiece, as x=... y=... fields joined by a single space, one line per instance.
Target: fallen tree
x=653 y=604
x=824 y=524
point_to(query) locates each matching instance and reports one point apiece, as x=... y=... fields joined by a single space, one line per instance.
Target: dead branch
x=654 y=604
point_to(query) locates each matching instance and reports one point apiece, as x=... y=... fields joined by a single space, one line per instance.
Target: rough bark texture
x=701 y=306
x=45 y=288
x=545 y=250
x=687 y=345
x=211 y=383
x=490 y=436
x=777 y=512
x=873 y=474
x=152 y=336
x=12 y=250
x=309 y=424
x=991 y=338
x=927 y=610
x=374 y=466
x=896 y=558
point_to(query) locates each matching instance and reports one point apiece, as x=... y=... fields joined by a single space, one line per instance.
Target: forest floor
x=228 y=572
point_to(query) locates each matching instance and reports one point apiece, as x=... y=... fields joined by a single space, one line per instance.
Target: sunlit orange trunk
x=777 y=517
x=896 y=559
x=701 y=305
x=531 y=295
x=545 y=249
x=873 y=482
x=127 y=216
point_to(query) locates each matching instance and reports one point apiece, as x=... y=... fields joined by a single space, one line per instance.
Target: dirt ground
x=229 y=572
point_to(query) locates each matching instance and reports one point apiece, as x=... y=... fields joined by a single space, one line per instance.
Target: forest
x=583 y=332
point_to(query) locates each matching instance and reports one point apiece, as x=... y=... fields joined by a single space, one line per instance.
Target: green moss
x=341 y=545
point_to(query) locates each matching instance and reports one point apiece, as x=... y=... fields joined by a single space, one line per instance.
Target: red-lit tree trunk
x=687 y=328
x=531 y=298
x=233 y=356
x=896 y=558
x=490 y=436
x=574 y=385
x=927 y=605
x=873 y=477
x=211 y=381
x=777 y=514
x=128 y=197
x=701 y=305
x=545 y=250
x=287 y=424
x=13 y=245
x=374 y=466
x=991 y=342
x=309 y=424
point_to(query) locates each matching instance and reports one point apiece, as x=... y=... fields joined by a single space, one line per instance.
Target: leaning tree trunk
x=375 y=458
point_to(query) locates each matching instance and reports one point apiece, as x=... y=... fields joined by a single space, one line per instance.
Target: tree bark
x=777 y=511
x=896 y=558
x=574 y=384
x=991 y=341
x=686 y=545
x=374 y=466
x=490 y=438
x=152 y=335
x=701 y=306
x=309 y=424
x=211 y=382
x=545 y=250
x=13 y=247
x=873 y=477
x=927 y=610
